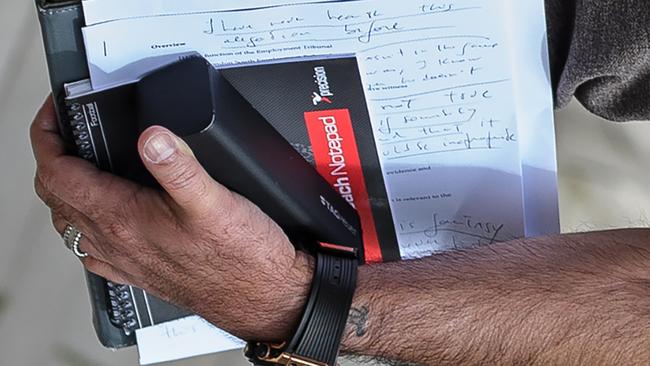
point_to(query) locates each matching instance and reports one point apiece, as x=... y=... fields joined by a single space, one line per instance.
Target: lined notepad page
x=459 y=94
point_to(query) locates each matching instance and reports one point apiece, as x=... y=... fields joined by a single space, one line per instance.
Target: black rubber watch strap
x=318 y=337
x=322 y=337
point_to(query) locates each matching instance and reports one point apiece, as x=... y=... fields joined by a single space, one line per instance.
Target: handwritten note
x=439 y=78
x=101 y=11
x=188 y=337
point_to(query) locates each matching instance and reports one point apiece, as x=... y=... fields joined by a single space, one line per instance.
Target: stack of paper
x=459 y=94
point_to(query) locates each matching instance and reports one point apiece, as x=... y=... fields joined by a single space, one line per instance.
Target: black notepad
x=318 y=105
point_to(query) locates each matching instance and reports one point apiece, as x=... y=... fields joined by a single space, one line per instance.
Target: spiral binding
x=80 y=132
x=121 y=313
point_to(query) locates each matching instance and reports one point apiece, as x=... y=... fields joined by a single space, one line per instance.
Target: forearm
x=581 y=299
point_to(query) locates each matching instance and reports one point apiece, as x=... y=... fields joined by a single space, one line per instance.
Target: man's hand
x=564 y=300
x=195 y=244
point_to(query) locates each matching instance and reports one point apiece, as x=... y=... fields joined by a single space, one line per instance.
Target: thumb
x=172 y=163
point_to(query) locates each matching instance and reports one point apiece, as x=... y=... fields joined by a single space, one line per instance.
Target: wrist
x=317 y=339
x=266 y=308
x=293 y=298
x=280 y=308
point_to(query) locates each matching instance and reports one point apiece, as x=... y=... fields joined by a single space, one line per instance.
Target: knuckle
x=93 y=265
x=49 y=176
x=102 y=269
x=117 y=229
x=36 y=127
x=58 y=220
x=132 y=201
x=50 y=170
x=47 y=197
x=230 y=214
x=39 y=189
x=183 y=178
x=45 y=177
x=97 y=206
x=89 y=264
x=224 y=214
x=33 y=128
x=106 y=198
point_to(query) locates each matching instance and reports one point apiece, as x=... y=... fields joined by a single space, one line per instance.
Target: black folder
x=61 y=22
x=293 y=99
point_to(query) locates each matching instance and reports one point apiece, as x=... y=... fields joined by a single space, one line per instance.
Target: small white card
x=188 y=337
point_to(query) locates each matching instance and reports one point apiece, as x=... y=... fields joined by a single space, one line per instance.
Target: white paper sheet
x=534 y=100
x=449 y=67
x=183 y=338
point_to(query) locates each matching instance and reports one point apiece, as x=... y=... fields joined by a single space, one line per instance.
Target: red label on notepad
x=337 y=160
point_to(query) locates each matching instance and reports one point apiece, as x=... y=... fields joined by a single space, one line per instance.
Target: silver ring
x=72 y=239
x=75 y=246
x=68 y=236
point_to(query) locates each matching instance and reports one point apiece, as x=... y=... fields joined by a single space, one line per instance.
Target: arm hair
x=565 y=300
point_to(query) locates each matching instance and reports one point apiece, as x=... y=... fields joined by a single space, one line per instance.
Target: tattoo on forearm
x=359 y=320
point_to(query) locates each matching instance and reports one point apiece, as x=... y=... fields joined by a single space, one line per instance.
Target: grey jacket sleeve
x=600 y=52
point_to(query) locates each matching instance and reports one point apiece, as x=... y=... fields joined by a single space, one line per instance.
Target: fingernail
x=159 y=147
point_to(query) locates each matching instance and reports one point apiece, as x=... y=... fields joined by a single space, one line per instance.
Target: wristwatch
x=317 y=339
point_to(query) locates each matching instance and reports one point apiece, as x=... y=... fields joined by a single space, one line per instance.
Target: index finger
x=47 y=144
x=71 y=179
